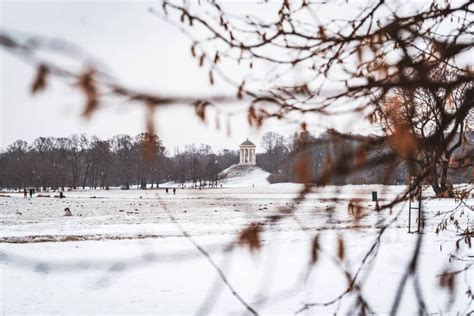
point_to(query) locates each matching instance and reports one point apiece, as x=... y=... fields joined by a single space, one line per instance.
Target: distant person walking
x=31 y=193
x=174 y=191
x=166 y=190
x=25 y=194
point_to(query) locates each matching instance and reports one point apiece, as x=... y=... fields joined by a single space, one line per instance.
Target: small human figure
x=166 y=190
x=25 y=194
x=31 y=193
x=61 y=195
x=174 y=191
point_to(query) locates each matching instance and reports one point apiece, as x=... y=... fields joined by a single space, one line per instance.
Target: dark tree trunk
x=440 y=184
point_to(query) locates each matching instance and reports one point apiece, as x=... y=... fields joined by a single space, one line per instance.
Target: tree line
x=303 y=157
x=123 y=161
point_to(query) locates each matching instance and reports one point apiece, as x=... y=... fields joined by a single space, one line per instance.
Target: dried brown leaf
x=200 y=108
x=341 y=254
x=447 y=281
x=87 y=85
x=40 y=82
x=250 y=237
x=211 y=78
x=315 y=249
x=355 y=210
x=302 y=168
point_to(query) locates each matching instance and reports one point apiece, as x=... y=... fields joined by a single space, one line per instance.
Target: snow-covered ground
x=125 y=252
x=244 y=176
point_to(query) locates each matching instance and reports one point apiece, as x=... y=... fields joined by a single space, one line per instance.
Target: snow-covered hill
x=244 y=176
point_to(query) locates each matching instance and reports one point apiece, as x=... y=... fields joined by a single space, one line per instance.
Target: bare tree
x=123 y=147
x=78 y=146
x=423 y=112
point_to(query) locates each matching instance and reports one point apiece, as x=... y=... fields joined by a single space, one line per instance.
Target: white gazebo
x=247 y=153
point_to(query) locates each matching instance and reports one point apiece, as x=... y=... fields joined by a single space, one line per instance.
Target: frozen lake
x=126 y=252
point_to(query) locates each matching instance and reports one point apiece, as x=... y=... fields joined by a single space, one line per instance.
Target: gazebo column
x=247 y=153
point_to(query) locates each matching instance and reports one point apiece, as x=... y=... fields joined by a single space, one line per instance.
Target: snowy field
x=126 y=252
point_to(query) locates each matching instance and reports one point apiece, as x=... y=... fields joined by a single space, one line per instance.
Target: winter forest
x=51 y=163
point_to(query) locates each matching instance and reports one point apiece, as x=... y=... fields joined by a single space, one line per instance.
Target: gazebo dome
x=247 y=143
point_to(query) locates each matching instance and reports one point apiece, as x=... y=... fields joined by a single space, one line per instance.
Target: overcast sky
x=139 y=49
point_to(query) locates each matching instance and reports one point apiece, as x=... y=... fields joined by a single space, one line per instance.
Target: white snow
x=244 y=176
x=165 y=274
